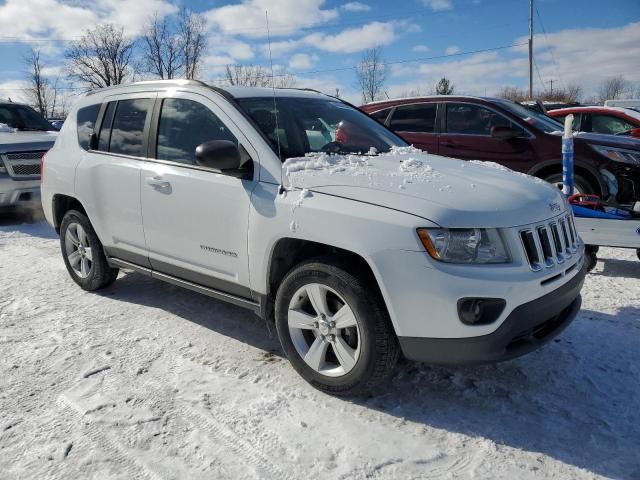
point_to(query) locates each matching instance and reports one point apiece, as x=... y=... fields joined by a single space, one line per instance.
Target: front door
x=467 y=135
x=195 y=220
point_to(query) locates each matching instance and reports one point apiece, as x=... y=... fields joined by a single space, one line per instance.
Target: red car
x=505 y=132
x=609 y=120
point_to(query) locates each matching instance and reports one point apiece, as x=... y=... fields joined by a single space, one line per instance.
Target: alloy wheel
x=324 y=330
x=78 y=250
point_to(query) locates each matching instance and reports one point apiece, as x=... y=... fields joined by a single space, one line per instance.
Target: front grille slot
x=23 y=164
x=551 y=243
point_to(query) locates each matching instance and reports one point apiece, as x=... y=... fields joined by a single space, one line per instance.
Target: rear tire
x=346 y=344
x=83 y=253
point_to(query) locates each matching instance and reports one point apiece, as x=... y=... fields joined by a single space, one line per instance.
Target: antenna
x=273 y=88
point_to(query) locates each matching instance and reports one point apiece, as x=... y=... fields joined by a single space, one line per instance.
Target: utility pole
x=551 y=82
x=530 y=49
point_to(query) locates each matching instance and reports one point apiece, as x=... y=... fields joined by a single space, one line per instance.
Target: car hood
x=448 y=192
x=619 y=141
x=16 y=141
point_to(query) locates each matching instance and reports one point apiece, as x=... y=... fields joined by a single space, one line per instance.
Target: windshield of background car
x=306 y=125
x=23 y=118
x=533 y=118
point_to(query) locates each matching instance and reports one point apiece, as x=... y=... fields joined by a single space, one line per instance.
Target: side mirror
x=93 y=141
x=505 y=133
x=225 y=157
x=635 y=132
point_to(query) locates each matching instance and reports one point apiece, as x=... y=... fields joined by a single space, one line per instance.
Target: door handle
x=158 y=182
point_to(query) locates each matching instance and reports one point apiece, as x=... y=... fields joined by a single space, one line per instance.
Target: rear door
x=466 y=134
x=416 y=123
x=108 y=177
x=195 y=219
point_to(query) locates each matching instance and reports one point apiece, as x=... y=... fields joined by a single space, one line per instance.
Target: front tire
x=580 y=184
x=83 y=253
x=335 y=329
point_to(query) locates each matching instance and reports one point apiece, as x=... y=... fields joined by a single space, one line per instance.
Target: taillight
x=42 y=158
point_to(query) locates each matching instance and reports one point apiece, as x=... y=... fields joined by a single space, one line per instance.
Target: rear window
x=86 y=120
x=419 y=117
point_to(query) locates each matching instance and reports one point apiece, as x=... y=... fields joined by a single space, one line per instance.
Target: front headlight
x=457 y=245
x=618 y=154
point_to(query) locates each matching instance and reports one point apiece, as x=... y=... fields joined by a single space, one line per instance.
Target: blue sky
x=584 y=41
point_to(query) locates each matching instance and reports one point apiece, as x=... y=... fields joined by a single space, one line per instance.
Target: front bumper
x=527 y=328
x=19 y=193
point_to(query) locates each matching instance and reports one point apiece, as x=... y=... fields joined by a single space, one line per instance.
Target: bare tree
x=371 y=74
x=102 y=57
x=191 y=28
x=444 y=87
x=39 y=89
x=256 y=76
x=514 y=94
x=163 y=49
x=612 y=88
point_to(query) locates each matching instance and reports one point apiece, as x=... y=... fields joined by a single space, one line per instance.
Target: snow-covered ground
x=144 y=380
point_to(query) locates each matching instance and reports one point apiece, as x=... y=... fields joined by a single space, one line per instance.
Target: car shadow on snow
x=618 y=268
x=28 y=221
x=221 y=317
x=576 y=400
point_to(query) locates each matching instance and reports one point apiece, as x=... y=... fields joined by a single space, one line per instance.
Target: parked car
x=501 y=131
x=632 y=103
x=355 y=256
x=547 y=106
x=56 y=123
x=24 y=137
x=607 y=120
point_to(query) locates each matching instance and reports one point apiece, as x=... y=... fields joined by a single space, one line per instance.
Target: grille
x=23 y=164
x=551 y=243
x=25 y=155
x=25 y=169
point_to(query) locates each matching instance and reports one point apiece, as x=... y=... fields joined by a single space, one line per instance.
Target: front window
x=609 y=124
x=469 y=119
x=23 y=118
x=308 y=125
x=535 y=119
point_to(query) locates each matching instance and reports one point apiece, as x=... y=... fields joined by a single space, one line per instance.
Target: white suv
x=359 y=247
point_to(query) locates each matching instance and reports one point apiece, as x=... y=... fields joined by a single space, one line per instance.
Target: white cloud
x=56 y=19
x=452 y=50
x=350 y=40
x=302 y=61
x=285 y=17
x=13 y=89
x=353 y=39
x=438 y=5
x=582 y=56
x=420 y=49
x=355 y=7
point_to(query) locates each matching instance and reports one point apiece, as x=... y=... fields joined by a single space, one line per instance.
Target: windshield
x=23 y=118
x=533 y=118
x=306 y=125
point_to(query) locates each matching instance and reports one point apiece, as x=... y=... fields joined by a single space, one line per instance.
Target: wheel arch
x=61 y=205
x=288 y=252
x=543 y=169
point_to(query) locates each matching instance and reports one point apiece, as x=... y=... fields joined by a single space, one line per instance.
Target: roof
x=253 y=92
x=624 y=111
x=427 y=97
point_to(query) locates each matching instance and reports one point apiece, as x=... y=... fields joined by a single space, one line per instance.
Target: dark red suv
x=501 y=131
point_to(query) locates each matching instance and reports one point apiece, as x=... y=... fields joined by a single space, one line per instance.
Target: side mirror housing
x=505 y=133
x=225 y=157
x=635 y=132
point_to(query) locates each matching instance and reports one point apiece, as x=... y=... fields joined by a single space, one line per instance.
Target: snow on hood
x=449 y=192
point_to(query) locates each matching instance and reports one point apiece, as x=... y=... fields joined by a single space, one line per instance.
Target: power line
x=352 y=67
x=546 y=41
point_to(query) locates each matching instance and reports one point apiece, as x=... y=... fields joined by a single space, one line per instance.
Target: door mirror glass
x=505 y=133
x=218 y=154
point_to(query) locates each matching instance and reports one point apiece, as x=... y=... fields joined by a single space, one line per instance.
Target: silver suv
x=25 y=136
